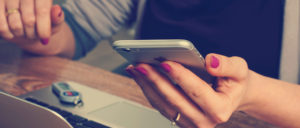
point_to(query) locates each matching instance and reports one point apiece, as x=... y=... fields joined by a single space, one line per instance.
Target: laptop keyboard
x=75 y=120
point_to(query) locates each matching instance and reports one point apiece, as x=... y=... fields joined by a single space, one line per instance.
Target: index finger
x=214 y=104
x=43 y=19
x=4 y=29
x=192 y=85
x=170 y=93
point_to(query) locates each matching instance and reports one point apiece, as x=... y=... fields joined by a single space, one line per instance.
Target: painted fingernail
x=45 y=41
x=165 y=67
x=60 y=13
x=214 y=62
x=142 y=70
x=129 y=71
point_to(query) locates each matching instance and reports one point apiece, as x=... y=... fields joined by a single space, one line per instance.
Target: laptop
x=43 y=109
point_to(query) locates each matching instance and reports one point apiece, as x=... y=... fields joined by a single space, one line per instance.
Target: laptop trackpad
x=131 y=116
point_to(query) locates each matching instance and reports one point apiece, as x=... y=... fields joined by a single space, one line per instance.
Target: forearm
x=61 y=43
x=274 y=101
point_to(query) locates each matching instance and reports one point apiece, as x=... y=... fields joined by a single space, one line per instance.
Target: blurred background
x=103 y=56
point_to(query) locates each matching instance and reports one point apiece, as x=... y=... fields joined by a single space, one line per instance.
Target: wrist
x=252 y=91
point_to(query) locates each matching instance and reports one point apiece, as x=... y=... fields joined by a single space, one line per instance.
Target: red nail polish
x=214 y=62
x=142 y=70
x=165 y=67
x=45 y=41
x=130 y=72
x=60 y=13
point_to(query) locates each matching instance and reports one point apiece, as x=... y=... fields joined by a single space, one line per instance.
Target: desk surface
x=19 y=75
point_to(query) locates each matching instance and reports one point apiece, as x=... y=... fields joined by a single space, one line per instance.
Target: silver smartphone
x=155 y=51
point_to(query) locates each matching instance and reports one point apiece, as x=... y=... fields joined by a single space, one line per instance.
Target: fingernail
x=142 y=70
x=45 y=41
x=60 y=13
x=129 y=71
x=214 y=62
x=165 y=67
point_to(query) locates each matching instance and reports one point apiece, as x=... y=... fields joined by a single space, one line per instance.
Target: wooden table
x=22 y=74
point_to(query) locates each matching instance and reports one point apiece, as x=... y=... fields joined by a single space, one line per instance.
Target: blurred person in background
x=251 y=29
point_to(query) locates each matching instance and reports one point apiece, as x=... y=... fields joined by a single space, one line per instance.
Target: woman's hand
x=30 y=21
x=197 y=102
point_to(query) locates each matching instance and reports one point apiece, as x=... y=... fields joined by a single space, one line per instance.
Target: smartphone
x=156 y=51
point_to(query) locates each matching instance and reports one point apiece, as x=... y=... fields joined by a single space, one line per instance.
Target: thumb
x=230 y=67
x=57 y=15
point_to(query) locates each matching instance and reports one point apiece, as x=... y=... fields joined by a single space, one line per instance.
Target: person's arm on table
x=35 y=25
x=87 y=23
x=237 y=89
x=61 y=42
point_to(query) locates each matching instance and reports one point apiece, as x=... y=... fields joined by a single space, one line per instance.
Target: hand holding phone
x=156 y=51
